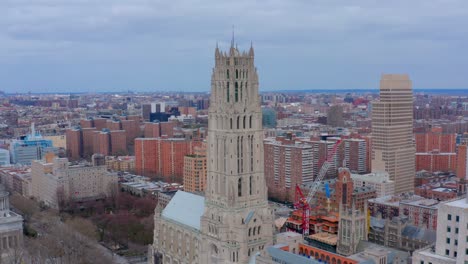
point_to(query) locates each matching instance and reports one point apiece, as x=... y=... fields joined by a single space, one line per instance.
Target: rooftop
x=289 y=258
x=185 y=208
x=375 y=177
x=460 y=203
x=331 y=239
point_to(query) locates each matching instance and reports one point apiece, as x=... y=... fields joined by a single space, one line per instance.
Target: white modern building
x=380 y=181
x=452 y=236
x=4 y=157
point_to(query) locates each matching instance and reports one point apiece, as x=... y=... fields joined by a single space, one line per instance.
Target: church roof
x=185 y=208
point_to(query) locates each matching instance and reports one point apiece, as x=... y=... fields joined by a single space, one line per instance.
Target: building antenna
x=232 y=40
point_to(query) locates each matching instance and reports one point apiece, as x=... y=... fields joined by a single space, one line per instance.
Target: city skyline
x=82 y=46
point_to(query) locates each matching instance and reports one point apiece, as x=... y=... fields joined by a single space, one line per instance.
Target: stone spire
x=237 y=221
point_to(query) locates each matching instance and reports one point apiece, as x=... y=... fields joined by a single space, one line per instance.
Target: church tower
x=237 y=221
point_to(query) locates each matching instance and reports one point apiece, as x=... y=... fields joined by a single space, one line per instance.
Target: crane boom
x=323 y=171
x=303 y=203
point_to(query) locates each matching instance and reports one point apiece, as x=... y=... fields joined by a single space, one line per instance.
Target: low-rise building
x=399 y=233
x=57 y=182
x=452 y=244
x=17 y=180
x=380 y=181
x=120 y=163
x=416 y=210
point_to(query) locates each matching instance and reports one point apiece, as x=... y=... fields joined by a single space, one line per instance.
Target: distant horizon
x=311 y=90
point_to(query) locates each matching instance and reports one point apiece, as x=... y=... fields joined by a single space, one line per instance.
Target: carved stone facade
x=236 y=221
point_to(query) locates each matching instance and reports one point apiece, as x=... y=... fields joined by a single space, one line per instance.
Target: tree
x=83 y=226
x=62 y=200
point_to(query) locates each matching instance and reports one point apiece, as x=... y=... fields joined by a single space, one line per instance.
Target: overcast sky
x=154 y=45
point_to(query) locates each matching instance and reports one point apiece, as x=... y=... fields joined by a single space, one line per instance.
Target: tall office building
x=233 y=222
x=392 y=131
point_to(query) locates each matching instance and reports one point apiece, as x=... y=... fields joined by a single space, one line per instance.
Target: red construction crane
x=303 y=203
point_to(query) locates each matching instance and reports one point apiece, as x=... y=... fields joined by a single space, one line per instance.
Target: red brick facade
x=435 y=151
x=159 y=157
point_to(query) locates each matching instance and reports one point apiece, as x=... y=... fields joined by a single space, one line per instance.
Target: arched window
x=242 y=154
x=244 y=122
x=227 y=92
x=250 y=230
x=254 y=231
x=238 y=122
x=227 y=73
x=250 y=122
x=239 y=187
x=251 y=153
x=238 y=155
x=250 y=185
x=258 y=231
x=241 y=91
x=237 y=74
x=231 y=122
x=236 y=91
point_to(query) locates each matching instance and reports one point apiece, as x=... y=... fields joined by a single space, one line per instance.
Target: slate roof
x=185 y=208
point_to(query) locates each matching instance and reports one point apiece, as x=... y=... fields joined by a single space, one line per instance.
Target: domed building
x=11 y=225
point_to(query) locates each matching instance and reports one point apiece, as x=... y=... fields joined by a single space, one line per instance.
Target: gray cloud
x=144 y=44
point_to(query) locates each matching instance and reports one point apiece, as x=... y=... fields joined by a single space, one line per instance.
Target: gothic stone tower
x=237 y=221
x=352 y=227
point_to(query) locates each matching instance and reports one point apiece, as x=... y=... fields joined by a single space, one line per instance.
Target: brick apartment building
x=162 y=157
x=462 y=160
x=195 y=170
x=435 y=150
x=287 y=164
x=101 y=135
x=356 y=155
x=158 y=129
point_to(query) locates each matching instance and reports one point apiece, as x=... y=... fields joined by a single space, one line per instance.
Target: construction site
x=317 y=205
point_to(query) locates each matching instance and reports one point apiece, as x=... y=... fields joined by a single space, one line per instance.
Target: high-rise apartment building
x=233 y=222
x=435 y=150
x=392 y=131
x=462 y=161
x=335 y=116
x=162 y=157
x=355 y=155
x=287 y=164
x=103 y=136
x=195 y=170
